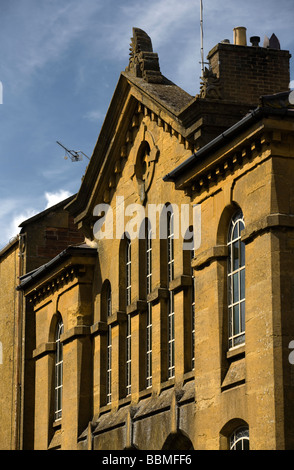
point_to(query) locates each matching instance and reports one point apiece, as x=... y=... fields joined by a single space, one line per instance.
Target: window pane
x=239 y=440
x=230 y=323
x=236 y=287
x=235 y=255
x=235 y=233
x=246 y=444
x=242 y=307
x=242 y=284
x=242 y=254
x=239 y=340
x=236 y=320
x=230 y=293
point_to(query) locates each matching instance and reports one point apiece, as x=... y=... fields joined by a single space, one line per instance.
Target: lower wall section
x=165 y=421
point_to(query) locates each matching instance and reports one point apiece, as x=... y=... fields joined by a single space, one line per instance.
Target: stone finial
x=143 y=62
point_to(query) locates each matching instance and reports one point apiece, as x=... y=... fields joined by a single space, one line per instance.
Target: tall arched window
x=236 y=282
x=148 y=238
x=128 y=271
x=193 y=312
x=128 y=302
x=171 y=309
x=109 y=347
x=188 y=256
x=58 y=372
x=239 y=439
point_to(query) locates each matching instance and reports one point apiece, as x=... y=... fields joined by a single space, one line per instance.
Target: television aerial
x=74 y=155
x=202 y=61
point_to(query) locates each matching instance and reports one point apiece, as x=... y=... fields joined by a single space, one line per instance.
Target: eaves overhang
x=30 y=279
x=181 y=172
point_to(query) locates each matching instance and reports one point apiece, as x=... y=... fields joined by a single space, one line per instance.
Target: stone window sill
x=236 y=352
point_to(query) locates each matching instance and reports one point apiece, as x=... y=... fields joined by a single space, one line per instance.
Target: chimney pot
x=255 y=40
x=240 y=36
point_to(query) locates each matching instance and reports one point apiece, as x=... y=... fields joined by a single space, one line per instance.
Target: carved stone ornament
x=146 y=157
x=210 y=85
x=143 y=62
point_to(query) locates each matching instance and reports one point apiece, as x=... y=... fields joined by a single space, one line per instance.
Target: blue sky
x=60 y=61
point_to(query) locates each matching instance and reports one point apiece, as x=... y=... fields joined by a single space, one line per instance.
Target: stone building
x=40 y=238
x=149 y=335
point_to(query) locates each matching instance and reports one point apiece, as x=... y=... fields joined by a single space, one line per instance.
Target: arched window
x=239 y=439
x=171 y=309
x=188 y=256
x=193 y=312
x=148 y=238
x=128 y=302
x=58 y=372
x=178 y=441
x=128 y=271
x=109 y=347
x=236 y=282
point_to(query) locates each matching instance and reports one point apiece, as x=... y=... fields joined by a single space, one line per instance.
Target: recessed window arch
x=58 y=389
x=148 y=254
x=239 y=439
x=128 y=267
x=179 y=441
x=188 y=256
x=234 y=435
x=109 y=346
x=171 y=303
x=236 y=281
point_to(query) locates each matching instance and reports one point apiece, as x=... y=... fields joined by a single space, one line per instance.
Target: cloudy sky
x=60 y=61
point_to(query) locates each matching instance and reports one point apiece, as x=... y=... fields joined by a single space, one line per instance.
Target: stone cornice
x=59 y=281
x=53 y=278
x=263 y=132
x=227 y=162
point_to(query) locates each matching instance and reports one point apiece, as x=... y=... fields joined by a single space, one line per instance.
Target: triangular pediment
x=143 y=95
x=133 y=99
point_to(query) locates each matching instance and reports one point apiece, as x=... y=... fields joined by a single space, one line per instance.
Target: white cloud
x=10 y=222
x=94 y=115
x=56 y=197
x=12 y=213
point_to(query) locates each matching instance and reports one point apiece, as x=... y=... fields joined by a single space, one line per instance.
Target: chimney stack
x=244 y=73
